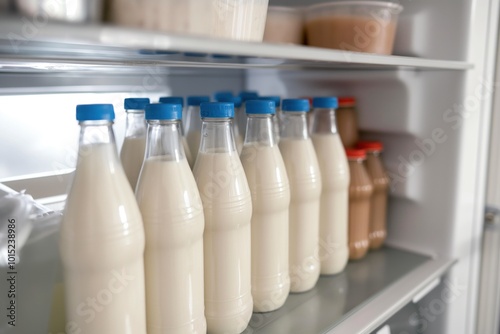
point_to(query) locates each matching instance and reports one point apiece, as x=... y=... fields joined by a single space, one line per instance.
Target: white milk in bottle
x=102 y=236
x=173 y=222
x=236 y=100
x=193 y=123
x=227 y=206
x=180 y=100
x=305 y=187
x=134 y=145
x=268 y=182
x=333 y=225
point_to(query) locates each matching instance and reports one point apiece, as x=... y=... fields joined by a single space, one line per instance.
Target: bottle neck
x=324 y=121
x=294 y=126
x=164 y=140
x=136 y=124
x=260 y=130
x=193 y=119
x=217 y=136
x=96 y=134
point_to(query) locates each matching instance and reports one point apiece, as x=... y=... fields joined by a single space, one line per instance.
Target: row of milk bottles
x=200 y=250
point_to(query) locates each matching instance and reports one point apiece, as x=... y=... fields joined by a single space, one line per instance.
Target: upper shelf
x=32 y=46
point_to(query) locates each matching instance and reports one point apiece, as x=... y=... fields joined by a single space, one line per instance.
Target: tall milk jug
x=227 y=206
x=102 y=236
x=180 y=100
x=268 y=182
x=173 y=222
x=333 y=218
x=305 y=188
x=134 y=145
x=193 y=123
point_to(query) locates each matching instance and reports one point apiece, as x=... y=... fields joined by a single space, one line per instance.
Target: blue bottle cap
x=136 y=103
x=163 y=111
x=276 y=99
x=236 y=100
x=260 y=107
x=295 y=105
x=95 y=112
x=197 y=100
x=222 y=94
x=326 y=102
x=217 y=110
x=172 y=100
x=248 y=95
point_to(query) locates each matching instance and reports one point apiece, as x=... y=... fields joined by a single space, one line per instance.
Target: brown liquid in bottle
x=347 y=121
x=360 y=193
x=380 y=181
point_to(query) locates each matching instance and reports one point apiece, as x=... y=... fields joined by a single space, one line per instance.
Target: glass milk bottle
x=173 y=222
x=333 y=218
x=227 y=206
x=380 y=181
x=236 y=100
x=193 y=123
x=305 y=188
x=360 y=193
x=180 y=100
x=134 y=145
x=277 y=115
x=268 y=182
x=102 y=235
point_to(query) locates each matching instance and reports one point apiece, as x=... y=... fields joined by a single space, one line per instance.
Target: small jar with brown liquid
x=360 y=194
x=380 y=181
x=347 y=121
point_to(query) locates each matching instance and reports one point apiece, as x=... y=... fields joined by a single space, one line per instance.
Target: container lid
x=172 y=100
x=222 y=94
x=260 y=107
x=217 y=110
x=95 y=112
x=275 y=99
x=347 y=101
x=393 y=6
x=236 y=100
x=136 y=103
x=325 y=102
x=355 y=153
x=295 y=105
x=373 y=146
x=248 y=95
x=197 y=100
x=163 y=111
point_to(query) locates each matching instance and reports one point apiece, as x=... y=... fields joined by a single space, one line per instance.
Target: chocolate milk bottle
x=347 y=121
x=360 y=193
x=378 y=209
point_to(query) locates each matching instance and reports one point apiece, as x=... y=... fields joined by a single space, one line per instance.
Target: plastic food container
x=62 y=10
x=230 y=19
x=284 y=25
x=364 y=26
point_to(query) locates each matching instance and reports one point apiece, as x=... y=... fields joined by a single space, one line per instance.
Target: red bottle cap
x=355 y=153
x=373 y=146
x=347 y=101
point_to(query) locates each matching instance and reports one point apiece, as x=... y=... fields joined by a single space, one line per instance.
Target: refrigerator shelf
x=28 y=46
x=358 y=300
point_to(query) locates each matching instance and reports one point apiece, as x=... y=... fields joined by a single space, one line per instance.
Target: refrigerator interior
x=433 y=118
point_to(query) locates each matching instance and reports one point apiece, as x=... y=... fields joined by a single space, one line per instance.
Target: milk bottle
x=227 y=206
x=277 y=115
x=102 y=236
x=193 y=123
x=180 y=100
x=134 y=145
x=268 y=181
x=236 y=100
x=173 y=222
x=305 y=187
x=333 y=218
x=245 y=96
